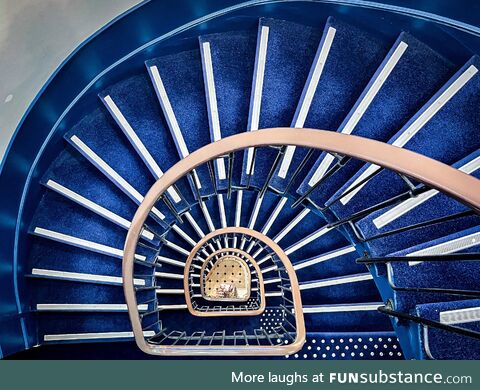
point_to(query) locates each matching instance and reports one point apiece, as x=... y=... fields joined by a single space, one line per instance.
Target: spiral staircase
x=192 y=211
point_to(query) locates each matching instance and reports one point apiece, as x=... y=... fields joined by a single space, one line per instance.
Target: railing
x=411 y=167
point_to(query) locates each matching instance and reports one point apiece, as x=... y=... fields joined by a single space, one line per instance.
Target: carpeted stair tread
x=435 y=206
x=414 y=78
x=136 y=100
x=455 y=274
x=448 y=136
x=233 y=58
x=441 y=344
x=290 y=51
x=347 y=49
x=182 y=78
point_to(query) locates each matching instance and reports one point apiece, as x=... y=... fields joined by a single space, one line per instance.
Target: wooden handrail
x=434 y=174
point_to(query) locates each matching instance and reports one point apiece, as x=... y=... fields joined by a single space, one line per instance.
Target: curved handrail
x=433 y=173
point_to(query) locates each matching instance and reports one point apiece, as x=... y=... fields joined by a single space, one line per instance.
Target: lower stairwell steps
x=228 y=80
x=92 y=206
x=99 y=139
x=136 y=101
x=285 y=52
x=441 y=276
x=84 y=244
x=338 y=262
x=63 y=215
x=81 y=277
x=70 y=170
x=178 y=82
x=113 y=175
x=358 y=317
x=469 y=165
x=346 y=289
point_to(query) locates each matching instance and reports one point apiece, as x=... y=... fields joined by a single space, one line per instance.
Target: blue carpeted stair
x=409 y=75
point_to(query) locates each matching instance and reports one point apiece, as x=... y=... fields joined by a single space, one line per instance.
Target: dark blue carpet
x=448 y=137
x=418 y=74
x=135 y=97
x=340 y=83
x=233 y=58
x=290 y=53
x=182 y=78
x=441 y=344
x=455 y=274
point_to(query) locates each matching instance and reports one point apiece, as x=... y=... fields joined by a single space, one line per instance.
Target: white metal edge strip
x=294 y=222
x=167 y=260
x=268 y=269
x=207 y=216
x=94 y=336
x=341 y=308
x=307 y=240
x=168 y=111
x=321 y=169
x=168 y=275
x=108 y=171
x=337 y=281
x=409 y=204
x=194 y=224
x=257 y=90
x=105 y=168
x=169 y=290
x=274 y=215
x=87 y=203
x=238 y=208
x=372 y=168
x=86 y=307
x=273 y=294
x=374 y=88
x=363 y=106
x=133 y=137
x=184 y=235
x=212 y=104
x=448 y=247
x=325 y=257
x=81 y=243
x=176 y=247
x=221 y=210
x=256 y=210
x=422 y=119
x=309 y=94
x=270 y=281
x=172 y=307
x=94 y=207
x=81 y=276
x=415 y=127
x=460 y=316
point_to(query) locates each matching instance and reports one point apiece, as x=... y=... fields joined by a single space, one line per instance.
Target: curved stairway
x=282 y=74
